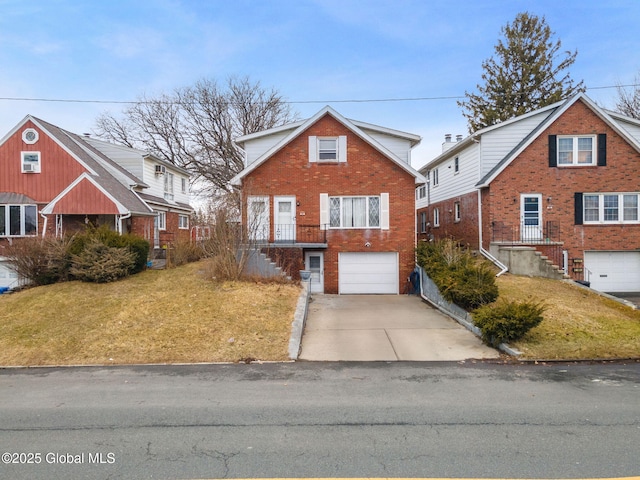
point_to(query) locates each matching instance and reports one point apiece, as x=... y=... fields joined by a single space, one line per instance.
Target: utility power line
x=353 y=100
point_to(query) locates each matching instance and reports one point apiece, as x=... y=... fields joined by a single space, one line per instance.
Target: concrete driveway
x=385 y=328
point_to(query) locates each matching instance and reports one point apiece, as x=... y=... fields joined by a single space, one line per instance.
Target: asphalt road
x=321 y=420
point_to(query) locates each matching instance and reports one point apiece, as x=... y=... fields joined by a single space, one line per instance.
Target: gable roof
x=102 y=171
x=556 y=112
x=297 y=128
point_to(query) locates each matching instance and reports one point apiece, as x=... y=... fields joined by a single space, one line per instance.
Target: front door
x=314 y=262
x=530 y=217
x=284 y=219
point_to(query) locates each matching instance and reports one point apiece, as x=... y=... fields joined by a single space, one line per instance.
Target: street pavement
x=385 y=328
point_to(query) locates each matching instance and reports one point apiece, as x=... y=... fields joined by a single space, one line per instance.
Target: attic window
x=328 y=149
x=30 y=136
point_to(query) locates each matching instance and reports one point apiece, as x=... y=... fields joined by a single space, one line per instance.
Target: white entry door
x=530 y=217
x=314 y=262
x=284 y=219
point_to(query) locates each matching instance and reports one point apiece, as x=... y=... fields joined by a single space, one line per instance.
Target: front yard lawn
x=578 y=323
x=157 y=316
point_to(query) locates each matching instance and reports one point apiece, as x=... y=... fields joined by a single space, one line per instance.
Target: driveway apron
x=385 y=328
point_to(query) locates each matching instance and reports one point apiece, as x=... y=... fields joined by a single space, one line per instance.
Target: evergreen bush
x=101 y=263
x=506 y=321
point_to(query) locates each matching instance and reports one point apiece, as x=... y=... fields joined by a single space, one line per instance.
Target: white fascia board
x=18 y=126
x=270 y=131
x=306 y=124
x=413 y=138
x=48 y=209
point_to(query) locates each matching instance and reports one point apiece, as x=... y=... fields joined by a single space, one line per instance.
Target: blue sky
x=314 y=51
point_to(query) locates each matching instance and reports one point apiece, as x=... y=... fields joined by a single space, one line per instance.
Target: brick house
x=335 y=197
x=562 y=179
x=53 y=182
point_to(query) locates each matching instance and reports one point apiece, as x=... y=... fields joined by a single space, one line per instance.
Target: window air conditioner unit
x=160 y=169
x=28 y=168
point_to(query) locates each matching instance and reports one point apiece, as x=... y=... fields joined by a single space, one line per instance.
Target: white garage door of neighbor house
x=375 y=272
x=8 y=278
x=613 y=271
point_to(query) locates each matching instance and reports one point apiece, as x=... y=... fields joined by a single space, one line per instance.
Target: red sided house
x=562 y=180
x=335 y=197
x=53 y=181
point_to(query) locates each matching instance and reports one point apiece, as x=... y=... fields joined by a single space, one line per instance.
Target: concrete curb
x=299 y=320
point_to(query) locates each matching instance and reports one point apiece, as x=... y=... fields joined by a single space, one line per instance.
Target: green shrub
x=139 y=246
x=461 y=278
x=101 y=263
x=507 y=321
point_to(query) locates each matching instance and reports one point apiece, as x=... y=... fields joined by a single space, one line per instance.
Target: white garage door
x=368 y=272
x=613 y=271
x=8 y=278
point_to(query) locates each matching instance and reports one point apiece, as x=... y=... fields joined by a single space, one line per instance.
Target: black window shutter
x=578 y=208
x=553 y=156
x=602 y=150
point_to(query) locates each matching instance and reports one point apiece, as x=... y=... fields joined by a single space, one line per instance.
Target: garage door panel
x=613 y=271
x=368 y=273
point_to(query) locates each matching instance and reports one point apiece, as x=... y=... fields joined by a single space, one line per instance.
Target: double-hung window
x=161 y=220
x=18 y=220
x=423 y=222
x=328 y=149
x=421 y=192
x=434 y=177
x=168 y=186
x=354 y=212
x=436 y=217
x=578 y=150
x=611 y=208
x=183 y=222
x=456 y=212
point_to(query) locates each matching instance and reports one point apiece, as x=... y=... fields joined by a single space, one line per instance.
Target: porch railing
x=547 y=232
x=296 y=234
x=544 y=237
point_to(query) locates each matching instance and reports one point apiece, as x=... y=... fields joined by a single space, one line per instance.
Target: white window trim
x=341 y=149
x=423 y=222
x=37 y=165
x=421 y=192
x=575 y=156
x=436 y=217
x=383 y=214
x=180 y=222
x=26 y=133
x=162 y=220
x=184 y=185
x=601 y=220
x=436 y=180
x=456 y=212
x=7 y=218
x=168 y=186
x=456 y=165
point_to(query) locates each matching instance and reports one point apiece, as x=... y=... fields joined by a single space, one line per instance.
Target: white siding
x=399 y=146
x=632 y=129
x=497 y=143
x=130 y=160
x=451 y=184
x=254 y=149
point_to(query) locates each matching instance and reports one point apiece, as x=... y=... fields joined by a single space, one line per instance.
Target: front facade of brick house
x=335 y=197
x=54 y=182
x=563 y=179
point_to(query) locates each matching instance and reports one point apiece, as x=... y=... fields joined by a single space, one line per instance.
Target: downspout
x=123 y=217
x=503 y=268
x=44 y=226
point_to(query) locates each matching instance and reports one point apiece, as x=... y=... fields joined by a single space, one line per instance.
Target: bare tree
x=628 y=102
x=194 y=127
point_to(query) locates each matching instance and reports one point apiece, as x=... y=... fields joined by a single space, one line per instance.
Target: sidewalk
x=385 y=328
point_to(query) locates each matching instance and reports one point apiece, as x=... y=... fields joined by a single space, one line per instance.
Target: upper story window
x=30 y=162
x=184 y=185
x=354 y=212
x=456 y=165
x=30 y=136
x=611 y=207
x=168 y=186
x=434 y=177
x=421 y=192
x=576 y=150
x=18 y=220
x=328 y=149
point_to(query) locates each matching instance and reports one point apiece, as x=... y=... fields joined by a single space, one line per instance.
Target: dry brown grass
x=578 y=323
x=166 y=316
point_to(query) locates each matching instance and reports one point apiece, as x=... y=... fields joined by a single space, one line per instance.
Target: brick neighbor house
x=562 y=180
x=54 y=182
x=335 y=197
